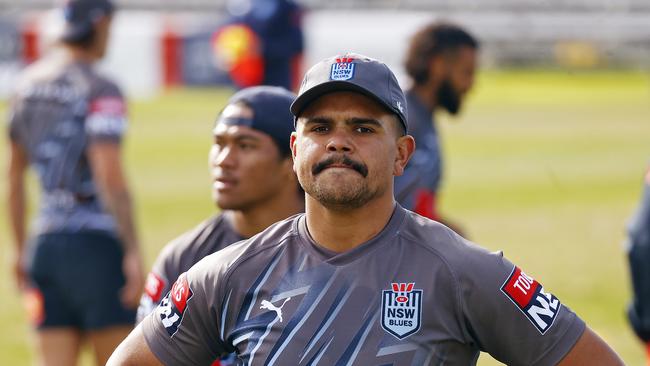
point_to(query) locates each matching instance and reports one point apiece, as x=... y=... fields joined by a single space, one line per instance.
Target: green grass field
x=546 y=166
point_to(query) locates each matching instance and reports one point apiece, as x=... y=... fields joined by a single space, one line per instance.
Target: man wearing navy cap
x=81 y=270
x=253 y=184
x=357 y=279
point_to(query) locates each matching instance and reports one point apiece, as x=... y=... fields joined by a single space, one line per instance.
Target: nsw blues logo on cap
x=342 y=69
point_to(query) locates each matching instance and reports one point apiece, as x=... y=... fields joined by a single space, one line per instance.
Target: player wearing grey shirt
x=58 y=111
x=441 y=61
x=357 y=279
x=250 y=146
x=403 y=298
x=416 y=189
x=81 y=267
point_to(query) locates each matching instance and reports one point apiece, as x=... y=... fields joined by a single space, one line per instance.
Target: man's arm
x=591 y=350
x=133 y=351
x=107 y=170
x=453 y=225
x=17 y=208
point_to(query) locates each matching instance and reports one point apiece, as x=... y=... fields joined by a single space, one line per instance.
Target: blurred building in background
x=168 y=42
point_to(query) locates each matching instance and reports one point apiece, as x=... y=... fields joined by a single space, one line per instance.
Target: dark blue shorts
x=76 y=279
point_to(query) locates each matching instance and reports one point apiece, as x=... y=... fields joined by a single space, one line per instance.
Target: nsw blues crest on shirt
x=401 y=310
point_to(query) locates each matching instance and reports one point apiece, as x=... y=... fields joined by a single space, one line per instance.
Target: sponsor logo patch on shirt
x=540 y=307
x=342 y=69
x=106 y=116
x=401 y=310
x=154 y=286
x=108 y=105
x=173 y=306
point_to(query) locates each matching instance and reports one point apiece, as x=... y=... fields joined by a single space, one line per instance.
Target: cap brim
x=319 y=90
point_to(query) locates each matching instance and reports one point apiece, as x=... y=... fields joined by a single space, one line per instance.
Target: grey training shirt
x=416 y=294
x=182 y=253
x=58 y=110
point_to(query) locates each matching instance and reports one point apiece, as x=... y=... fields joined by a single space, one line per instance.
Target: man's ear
x=292 y=145
x=405 y=147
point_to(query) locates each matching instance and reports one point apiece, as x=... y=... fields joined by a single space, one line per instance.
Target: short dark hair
x=432 y=40
x=401 y=131
x=80 y=17
x=83 y=40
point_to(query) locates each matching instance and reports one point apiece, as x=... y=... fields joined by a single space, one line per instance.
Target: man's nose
x=222 y=157
x=340 y=142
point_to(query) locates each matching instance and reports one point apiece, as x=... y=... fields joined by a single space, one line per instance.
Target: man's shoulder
x=256 y=250
x=279 y=230
x=433 y=245
x=443 y=242
x=418 y=112
x=269 y=241
x=41 y=71
x=426 y=232
x=215 y=223
x=82 y=78
x=101 y=86
x=202 y=235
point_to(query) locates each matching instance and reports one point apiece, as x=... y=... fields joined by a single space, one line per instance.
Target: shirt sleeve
x=106 y=119
x=183 y=330
x=156 y=286
x=512 y=316
x=176 y=257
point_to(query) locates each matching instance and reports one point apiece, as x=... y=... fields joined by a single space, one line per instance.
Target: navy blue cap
x=81 y=15
x=271 y=115
x=357 y=73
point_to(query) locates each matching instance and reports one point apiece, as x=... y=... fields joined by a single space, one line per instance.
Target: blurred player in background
x=83 y=273
x=261 y=43
x=639 y=257
x=441 y=61
x=357 y=279
x=253 y=184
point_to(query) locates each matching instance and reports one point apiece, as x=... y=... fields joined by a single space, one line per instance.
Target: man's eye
x=246 y=146
x=362 y=129
x=320 y=129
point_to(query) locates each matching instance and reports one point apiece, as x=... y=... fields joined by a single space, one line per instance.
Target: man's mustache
x=342 y=160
